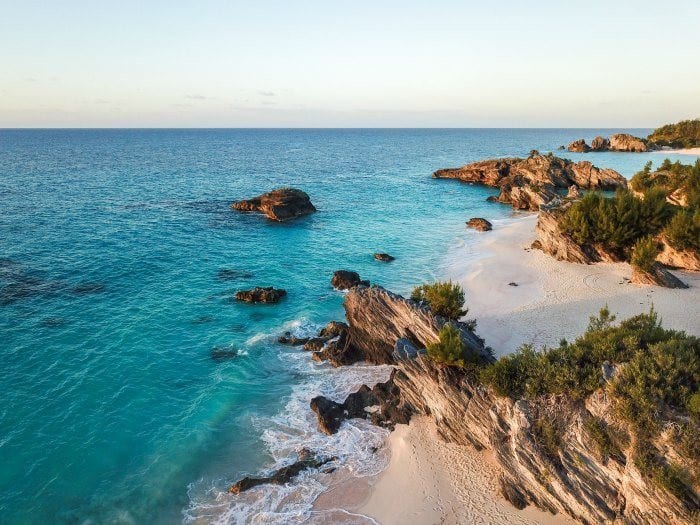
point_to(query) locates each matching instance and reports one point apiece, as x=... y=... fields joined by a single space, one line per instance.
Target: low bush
x=449 y=350
x=598 y=431
x=444 y=298
x=644 y=254
x=683 y=231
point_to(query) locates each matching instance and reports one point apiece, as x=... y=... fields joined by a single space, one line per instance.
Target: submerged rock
x=306 y=460
x=384 y=257
x=288 y=339
x=346 y=279
x=529 y=183
x=222 y=353
x=261 y=295
x=88 y=287
x=333 y=344
x=229 y=274
x=279 y=205
x=480 y=224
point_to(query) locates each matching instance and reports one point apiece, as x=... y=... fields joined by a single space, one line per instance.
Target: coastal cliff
x=553 y=451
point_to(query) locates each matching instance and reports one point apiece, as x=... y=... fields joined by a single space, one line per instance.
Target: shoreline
x=430 y=481
x=684 y=151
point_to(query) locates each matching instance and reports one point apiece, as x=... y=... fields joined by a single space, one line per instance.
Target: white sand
x=687 y=151
x=429 y=481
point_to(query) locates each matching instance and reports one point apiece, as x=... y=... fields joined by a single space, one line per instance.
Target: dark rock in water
x=203 y=319
x=259 y=294
x=579 y=146
x=561 y=147
x=384 y=257
x=382 y=404
x=315 y=344
x=305 y=460
x=279 y=205
x=658 y=275
x=479 y=224
x=333 y=345
x=228 y=274
x=222 y=353
x=346 y=279
x=24 y=287
x=53 y=322
x=87 y=288
x=288 y=339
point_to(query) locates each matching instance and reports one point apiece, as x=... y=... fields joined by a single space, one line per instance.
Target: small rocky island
x=477 y=223
x=280 y=205
x=259 y=294
x=529 y=183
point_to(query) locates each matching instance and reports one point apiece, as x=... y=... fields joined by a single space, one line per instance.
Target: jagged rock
x=332 y=344
x=683 y=259
x=346 y=279
x=479 y=224
x=573 y=192
x=532 y=182
x=289 y=339
x=600 y=144
x=658 y=275
x=512 y=494
x=382 y=404
x=306 y=460
x=259 y=294
x=384 y=257
x=280 y=205
x=377 y=318
x=627 y=142
x=578 y=146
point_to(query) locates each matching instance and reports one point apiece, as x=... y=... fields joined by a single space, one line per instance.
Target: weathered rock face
x=378 y=318
x=626 y=142
x=480 y=224
x=658 y=276
x=260 y=294
x=573 y=192
x=306 y=460
x=384 y=257
x=600 y=144
x=345 y=279
x=574 y=479
x=382 y=404
x=683 y=259
x=553 y=241
x=529 y=183
x=278 y=205
x=578 y=146
x=331 y=344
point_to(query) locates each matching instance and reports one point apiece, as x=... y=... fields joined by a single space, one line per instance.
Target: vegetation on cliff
x=444 y=298
x=684 y=134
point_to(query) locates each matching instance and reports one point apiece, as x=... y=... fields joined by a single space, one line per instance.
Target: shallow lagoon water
x=112 y=297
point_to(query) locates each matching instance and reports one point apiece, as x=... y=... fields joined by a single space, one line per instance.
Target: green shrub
x=509 y=375
x=644 y=254
x=668 y=476
x=449 y=350
x=602 y=437
x=444 y=298
x=547 y=437
x=683 y=134
x=683 y=231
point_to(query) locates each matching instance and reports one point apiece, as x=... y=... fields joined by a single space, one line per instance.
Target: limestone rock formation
x=260 y=294
x=578 y=146
x=600 y=144
x=279 y=205
x=332 y=344
x=306 y=460
x=346 y=279
x=683 y=259
x=658 y=275
x=627 y=142
x=532 y=182
x=479 y=224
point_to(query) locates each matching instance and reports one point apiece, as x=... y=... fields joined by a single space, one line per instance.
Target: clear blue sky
x=348 y=63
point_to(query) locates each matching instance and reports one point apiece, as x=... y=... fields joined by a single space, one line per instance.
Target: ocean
x=119 y=258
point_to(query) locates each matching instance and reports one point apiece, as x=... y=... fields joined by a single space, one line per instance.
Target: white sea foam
x=357 y=445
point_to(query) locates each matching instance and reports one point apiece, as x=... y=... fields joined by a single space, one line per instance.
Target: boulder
x=658 y=275
x=346 y=279
x=292 y=340
x=600 y=144
x=480 y=224
x=261 y=295
x=573 y=192
x=306 y=460
x=278 y=205
x=578 y=146
x=384 y=257
x=532 y=182
x=627 y=142
x=332 y=344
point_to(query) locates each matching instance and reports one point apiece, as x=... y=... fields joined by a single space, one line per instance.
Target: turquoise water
x=113 y=410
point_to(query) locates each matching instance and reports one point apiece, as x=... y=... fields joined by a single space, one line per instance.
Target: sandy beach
x=687 y=151
x=429 y=481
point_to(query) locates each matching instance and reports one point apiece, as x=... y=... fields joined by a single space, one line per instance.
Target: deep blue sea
x=111 y=301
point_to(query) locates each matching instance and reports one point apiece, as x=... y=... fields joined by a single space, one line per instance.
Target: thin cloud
x=267 y=93
x=197 y=97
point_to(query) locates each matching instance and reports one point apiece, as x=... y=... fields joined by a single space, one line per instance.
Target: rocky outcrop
x=627 y=142
x=553 y=241
x=600 y=144
x=306 y=460
x=278 y=205
x=683 y=259
x=382 y=405
x=658 y=276
x=480 y=224
x=532 y=182
x=384 y=257
x=333 y=344
x=578 y=146
x=345 y=279
x=260 y=294
x=377 y=318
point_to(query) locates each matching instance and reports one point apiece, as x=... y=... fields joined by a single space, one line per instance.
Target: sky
x=380 y=63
